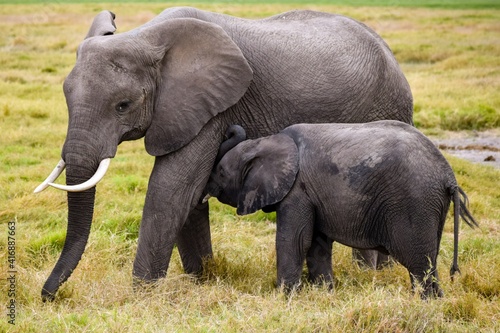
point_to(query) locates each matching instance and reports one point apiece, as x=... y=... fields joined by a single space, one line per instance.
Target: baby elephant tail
x=460 y=203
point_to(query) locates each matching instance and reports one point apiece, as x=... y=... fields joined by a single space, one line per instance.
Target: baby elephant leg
x=427 y=281
x=293 y=241
x=319 y=260
x=420 y=261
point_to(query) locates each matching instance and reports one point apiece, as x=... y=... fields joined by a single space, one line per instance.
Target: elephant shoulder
x=300 y=14
x=311 y=139
x=180 y=12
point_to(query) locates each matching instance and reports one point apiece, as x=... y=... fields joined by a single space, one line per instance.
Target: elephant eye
x=123 y=106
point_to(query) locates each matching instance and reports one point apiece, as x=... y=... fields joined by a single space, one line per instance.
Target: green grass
x=451 y=58
x=399 y=3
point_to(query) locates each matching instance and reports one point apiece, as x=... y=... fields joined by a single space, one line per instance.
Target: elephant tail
x=460 y=203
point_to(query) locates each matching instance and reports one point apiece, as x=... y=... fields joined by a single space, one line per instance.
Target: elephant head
x=162 y=81
x=256 y=173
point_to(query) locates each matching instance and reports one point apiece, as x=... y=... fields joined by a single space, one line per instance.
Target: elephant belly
x=349 y=230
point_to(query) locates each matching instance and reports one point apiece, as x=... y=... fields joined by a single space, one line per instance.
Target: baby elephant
x=380 y=185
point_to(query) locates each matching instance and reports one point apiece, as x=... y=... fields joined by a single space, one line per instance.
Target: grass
x=399 y=3
x=451 y=59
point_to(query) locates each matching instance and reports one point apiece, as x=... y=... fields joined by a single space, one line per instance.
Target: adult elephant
x=179 y=81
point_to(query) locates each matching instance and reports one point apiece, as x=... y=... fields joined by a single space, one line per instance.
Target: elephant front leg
x=319 y=260
x=170 y=215
x=172 y=212
x=293 y=241
x=156 y=239
x=194 y=240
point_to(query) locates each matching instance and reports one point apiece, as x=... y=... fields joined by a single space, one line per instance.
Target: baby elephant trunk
x=234 y=135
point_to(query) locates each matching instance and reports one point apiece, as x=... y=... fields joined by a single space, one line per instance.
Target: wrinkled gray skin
x=319 y=257
x=180 y=80
x=391 y=195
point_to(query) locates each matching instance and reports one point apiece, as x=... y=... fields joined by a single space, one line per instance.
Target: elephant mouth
x=213 y=190
x=91 y=182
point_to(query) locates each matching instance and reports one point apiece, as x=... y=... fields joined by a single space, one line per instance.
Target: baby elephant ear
x=103 y=24
x=270 y=174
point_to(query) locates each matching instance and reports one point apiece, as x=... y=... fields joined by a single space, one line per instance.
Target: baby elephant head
x=255 y=173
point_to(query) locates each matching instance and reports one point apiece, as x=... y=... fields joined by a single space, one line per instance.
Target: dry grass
x=451 y=58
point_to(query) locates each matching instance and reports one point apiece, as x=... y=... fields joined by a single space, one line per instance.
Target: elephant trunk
x=234 y=135
x=80 y=212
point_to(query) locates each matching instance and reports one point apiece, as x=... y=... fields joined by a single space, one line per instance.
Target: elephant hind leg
x=428 y=282
x=416 y=248
x=421 y=264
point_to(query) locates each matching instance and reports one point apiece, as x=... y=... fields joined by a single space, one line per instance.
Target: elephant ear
x=103 y=24
x=202 y=73
x=269 y=174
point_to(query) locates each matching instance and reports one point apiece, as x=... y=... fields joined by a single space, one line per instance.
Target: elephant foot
x=327 y=282
x=427 y=286
x=142 y=285
x=434 y=292
x=288 y=287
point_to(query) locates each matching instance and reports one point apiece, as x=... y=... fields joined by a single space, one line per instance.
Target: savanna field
x=450 y=55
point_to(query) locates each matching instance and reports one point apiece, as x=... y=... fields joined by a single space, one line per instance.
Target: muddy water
x=478 y=147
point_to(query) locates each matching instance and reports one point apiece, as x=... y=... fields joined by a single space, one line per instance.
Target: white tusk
x=101 y=171
x=205 y=198
x=53 y=176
